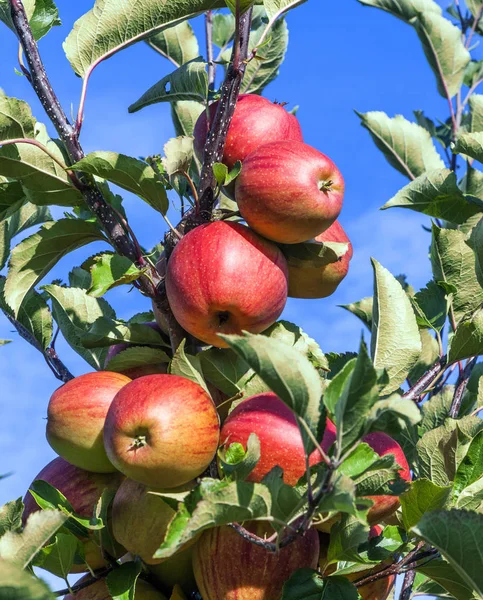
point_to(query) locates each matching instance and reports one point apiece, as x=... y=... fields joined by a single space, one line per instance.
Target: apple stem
x=325 y=185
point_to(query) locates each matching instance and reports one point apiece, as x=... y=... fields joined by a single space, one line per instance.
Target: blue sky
x=342 y=57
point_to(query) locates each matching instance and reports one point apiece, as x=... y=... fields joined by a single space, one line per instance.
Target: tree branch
x=85 y=584
x=407 y=586
x=209 y=49
x=461 y=387
x=425 y=381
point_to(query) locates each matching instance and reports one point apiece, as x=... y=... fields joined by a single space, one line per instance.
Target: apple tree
x=214 y=450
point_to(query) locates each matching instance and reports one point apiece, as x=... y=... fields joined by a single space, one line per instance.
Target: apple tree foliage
x=418 y=379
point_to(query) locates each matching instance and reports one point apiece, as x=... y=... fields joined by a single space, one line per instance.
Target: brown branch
x=461 y=388
x=407 y=586
x=85 y=584
x=425 y=381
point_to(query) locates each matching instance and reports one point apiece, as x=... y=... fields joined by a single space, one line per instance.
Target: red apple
x=75 y=419
x=280 y=440
x=100 y=591
x=140 y=519
x=255 y=121
x=175 y=571
x=383 y=444
x=306 y=280
x=224 y=278
x=289 y=192
x=162 y=430
x=140 y=371
x=83 y=490
x=228 y=567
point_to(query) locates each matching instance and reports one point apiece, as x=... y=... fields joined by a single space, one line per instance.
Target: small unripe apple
x=75 y=419
x=306 y=280
x=83 y=490
x=255 y=121
x=228 y=567
x=383 y=444
x=280 y=439
x=289 y=192
x=162 y=430
x=176 y=570
x=100 y=591
x=224 y=278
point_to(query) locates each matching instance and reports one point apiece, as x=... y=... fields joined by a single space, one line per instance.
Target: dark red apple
x=224 y=278
x=228 y=567
x=162 y=430
x=75 y=419
x=280 y=440
x=383 y=444
x=100 y=591
x=306 y=280
x=255 y=121
x=83 y=490
x=289 y=192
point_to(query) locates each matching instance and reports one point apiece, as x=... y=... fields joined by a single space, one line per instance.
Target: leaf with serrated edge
x=408 y=147
x=437 y=455
x=11 y=516
x=187 y=366
x=395 y=342
x=276 y=8
x=109 y=271
x=178 y=154
x=21 y=548
x=423 y=496
x=405 y=10
x=463 y=548
x=177 y=43
x=468 y=338
x=470 y=144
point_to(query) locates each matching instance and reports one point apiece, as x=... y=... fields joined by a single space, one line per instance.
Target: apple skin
x=308 y=281
x=289 y=192
x=224 y=278
x=75 y=419
x=140 y=519
x=83 y=490
x=384 y=506
x=162 y=430
x=280 y=440
x=100 y=591
x=176 y=570
x=136 y=372
x=255 y=121
x=227 y=567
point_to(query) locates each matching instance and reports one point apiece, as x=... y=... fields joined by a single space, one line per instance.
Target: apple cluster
x=146 y=431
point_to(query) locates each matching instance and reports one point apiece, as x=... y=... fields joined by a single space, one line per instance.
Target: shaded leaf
x=306 y=584
x=431 y=306
x=177 y=43
x=188 y=366
x=137 y=356
x=468 y=338
x=121 y=582
x=106 y=331
x=446 y=576
x=423 y=496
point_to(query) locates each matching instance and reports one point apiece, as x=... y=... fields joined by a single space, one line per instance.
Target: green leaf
x=444 y=50
x=223 y=29
x=395 y=342
x=35 y=256
x=446 y=576
x=408 y=147
x=431 y=306
x=405 y=10
x=187 y=366
x=220 y=171
x=345 y=538
x=468 y=338
x=16 y=119
x=121 y=582
x=437 y=455
x=137 y=356
x=235 y=463
x=470 y=144
x=58 y=557
x=476 y=111
x=314 y=254
x=21 y=548
x=423 y=496
x=295 y=336
x=178 y=154
x=362 y=309
x=264 y=68
x=288 y=373
x=243 y=5
x=11 y=516
x=436 y=194
x=188 y=82
x=128 y=173
x=453 y=261
x=225 y=370
x=185 y=114
x=109 y=271
x=476 y=243
x=463 y=548
x=105 y=331
x=429 y=355
x=276 y=8
x=306 y=584
x=42 y=16
x=74 y=312
x=393 y=414
x=12 y=197
x=177 y=43
x=16 y=583
x=436 y=409
x=470 y=469
x=211 y=504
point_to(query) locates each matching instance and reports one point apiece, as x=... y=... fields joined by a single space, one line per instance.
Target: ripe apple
x=140 y=371
x=224 y=278
x=306 y=280
x=176 y=570
x=383 y=444
x=280 y=440
x=289 y=192
x=100 y=591
x=228 y=567
x=255 y=121
x=161 y=430
x=83 y=490
x=140 y=519
x=75 y=419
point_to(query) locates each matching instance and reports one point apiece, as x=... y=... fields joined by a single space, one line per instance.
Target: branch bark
x=461 y=387
x=425 y=381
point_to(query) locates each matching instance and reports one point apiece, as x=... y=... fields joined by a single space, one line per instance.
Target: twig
x=426 y=380
x=209 y=49
x=407 y=586
x=476 y=20
x=81 y=586
x=461 y=387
